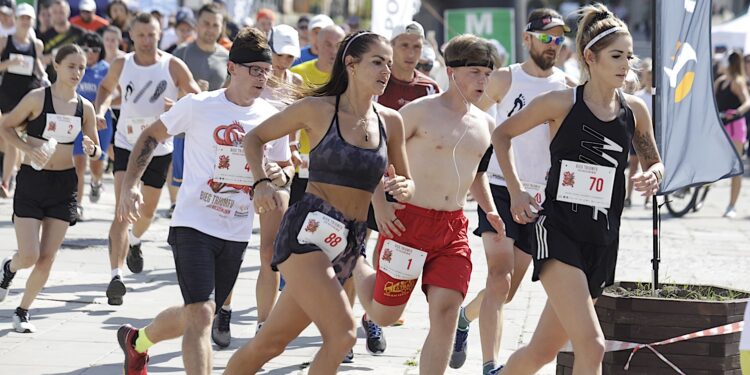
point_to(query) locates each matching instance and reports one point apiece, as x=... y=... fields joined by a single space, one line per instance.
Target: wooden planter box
x=648 y=319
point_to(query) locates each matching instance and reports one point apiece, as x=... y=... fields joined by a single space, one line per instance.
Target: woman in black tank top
x=45 y=201
x=366 y=136
x=577 y=230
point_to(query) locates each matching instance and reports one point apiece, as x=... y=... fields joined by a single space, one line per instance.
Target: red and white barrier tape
x=614 y=345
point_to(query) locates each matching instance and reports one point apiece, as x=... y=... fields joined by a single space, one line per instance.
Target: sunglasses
x=257 y=71
x=547 y=39
x=302 y=27
x=425 y=66
x=91 y=49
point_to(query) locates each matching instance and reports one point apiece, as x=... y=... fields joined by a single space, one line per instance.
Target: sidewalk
x=76 y=327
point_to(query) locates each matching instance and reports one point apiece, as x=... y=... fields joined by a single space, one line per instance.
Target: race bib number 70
x=586 y=184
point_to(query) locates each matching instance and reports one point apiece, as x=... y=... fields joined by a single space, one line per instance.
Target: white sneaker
x=21 y=322
x=6 y=279
x=258 y=327
x=730 y=213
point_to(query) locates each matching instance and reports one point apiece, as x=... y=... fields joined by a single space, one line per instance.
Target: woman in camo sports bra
x=322 y=235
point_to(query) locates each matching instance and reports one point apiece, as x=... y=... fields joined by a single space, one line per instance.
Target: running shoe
x=135 y=259
x=220 y=330
x=79 y=213
x=375 y=340
x=496 y=371
x=730 y=213
x=95 y=193
x=458 y=357
x=135 y=363
x=349 y=358
x=115 y=291
x=6 y=279
x=170 y=212
x=21 y=321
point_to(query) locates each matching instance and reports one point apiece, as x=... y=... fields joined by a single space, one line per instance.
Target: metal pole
x=520 y=12
x=656 y=57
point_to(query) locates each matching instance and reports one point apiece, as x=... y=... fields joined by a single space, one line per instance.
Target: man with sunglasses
x=148 y=79
x=509 y=90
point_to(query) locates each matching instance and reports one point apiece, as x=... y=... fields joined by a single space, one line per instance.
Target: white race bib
x=64 y=129
x=325 y=232
x=134 y=126
x=586 y=184
x=400 y=261
x=25 y=68
x=536 y=191
x=231 y=167
x=304 y=172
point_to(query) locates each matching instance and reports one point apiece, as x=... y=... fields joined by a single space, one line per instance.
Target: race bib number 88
x=325 y=232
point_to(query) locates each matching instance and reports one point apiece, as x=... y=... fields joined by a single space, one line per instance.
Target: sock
x=116 y=272
x=133 y=239
x=142 y=343
x=21 y=311
x=488 y=366
x=227 y=308
x=463 y=322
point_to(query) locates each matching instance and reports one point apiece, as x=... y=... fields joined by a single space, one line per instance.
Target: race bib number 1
x=62 y=128
x=586 y=184
x=400 y=261
x=325 y=232
x=230 y=166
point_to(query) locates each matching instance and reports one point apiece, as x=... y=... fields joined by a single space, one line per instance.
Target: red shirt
x=399 y=93
x=95 y=24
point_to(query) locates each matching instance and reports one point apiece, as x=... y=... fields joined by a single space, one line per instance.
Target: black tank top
x=15 y=86
x=35 y=127
x=583 y=138
x=725 y=98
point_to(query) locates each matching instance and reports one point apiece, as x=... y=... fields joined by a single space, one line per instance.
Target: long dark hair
x=66 y=50
x=93 y=40
x=354 y=45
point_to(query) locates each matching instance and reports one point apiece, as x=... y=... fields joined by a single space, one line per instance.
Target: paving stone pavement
x=76 y=327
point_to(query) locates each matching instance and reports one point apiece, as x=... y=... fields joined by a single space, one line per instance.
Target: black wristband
x=288 y=178
x=266 y=179
x=93 y=154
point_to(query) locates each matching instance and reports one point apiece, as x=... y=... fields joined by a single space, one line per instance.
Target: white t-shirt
x=210 y=120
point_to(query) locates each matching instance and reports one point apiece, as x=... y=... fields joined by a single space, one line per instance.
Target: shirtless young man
x=446 y=130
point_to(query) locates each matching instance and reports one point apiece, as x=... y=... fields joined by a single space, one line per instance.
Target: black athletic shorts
x=44 y=193
x=156 y=171
x=204 y=263
x=522 y=234
x=598 y=262
x=297 y=189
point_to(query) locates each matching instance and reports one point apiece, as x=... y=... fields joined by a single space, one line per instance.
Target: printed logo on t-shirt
x=518 y=104
x=593 y=146
x=158 y=91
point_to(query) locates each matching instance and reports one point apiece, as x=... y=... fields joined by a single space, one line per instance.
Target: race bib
x=496 y=179
x=304 y=172
x=25 y=68
x=134 y=126
x=64 y=129
x=400 y=261
x=536 y=191
x=231 y=167
x=325 y=232
x=586 y=184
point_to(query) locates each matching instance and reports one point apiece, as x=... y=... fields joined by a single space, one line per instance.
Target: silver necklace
x=362 y=122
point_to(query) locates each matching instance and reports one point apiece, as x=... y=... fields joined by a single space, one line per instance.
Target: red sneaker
x=135 y=363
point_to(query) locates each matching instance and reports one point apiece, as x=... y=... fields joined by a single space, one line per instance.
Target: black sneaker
x=349 y=358
x=6 y=279
x=115 y=291
x=21 y=322
x=496 y=371
x=458 y=357
x=375 y=340
x=169 y=213
x=220 y=330
x=135 y=259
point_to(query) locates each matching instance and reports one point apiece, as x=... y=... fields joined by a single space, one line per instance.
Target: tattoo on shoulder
x=645 y=148
x=146 y=152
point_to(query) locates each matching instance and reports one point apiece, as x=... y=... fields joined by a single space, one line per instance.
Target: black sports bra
x=35 y=128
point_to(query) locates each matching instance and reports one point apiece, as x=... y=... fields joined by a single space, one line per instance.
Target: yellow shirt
x=312 y=77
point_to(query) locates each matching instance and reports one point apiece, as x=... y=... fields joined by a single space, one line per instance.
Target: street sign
x=488 y=23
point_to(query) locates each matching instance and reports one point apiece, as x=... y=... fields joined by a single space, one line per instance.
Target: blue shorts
x=178 y=161
x=105 y=138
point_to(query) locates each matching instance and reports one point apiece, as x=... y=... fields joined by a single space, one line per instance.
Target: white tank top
x=531 y=149
x=143 y=91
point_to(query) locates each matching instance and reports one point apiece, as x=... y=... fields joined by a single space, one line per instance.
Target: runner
x=316 y=263
x=509 y=90
x=213 y=221
x=147 y=77
x=44 y=204
x=576 y=236
x=310 y=51
x=21 y=67
x=60 y=34
x=440 y=130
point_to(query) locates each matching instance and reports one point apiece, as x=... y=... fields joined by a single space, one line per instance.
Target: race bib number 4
x=586 y=184
x=230 y=166
x=134 y=126
x=62 y=128
x=325 y=232
x=400 y=261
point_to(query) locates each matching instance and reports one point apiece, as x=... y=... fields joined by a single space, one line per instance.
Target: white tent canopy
x=734 y=34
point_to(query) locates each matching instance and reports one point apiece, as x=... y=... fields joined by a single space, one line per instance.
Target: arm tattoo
x=645 y=149
x=141 y=162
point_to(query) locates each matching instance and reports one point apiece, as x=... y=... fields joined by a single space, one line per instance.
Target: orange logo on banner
x=685 y=55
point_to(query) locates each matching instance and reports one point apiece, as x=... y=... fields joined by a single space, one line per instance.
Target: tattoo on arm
x=145 y=155
x=645 y=149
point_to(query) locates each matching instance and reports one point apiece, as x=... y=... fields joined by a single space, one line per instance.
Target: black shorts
x=297 y=189
x=44 y=193
x=156 y=171
x=522 y=234
x=598 y=262
x=286 y=239
x=203 y=263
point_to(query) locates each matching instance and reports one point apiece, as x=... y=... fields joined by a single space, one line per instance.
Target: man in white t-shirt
x=213 y=220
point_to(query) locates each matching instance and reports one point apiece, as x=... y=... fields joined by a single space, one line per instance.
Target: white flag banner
x=387 y=14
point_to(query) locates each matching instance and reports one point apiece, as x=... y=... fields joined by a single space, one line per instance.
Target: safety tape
x=614 y=345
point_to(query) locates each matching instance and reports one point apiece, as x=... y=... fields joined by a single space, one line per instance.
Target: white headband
x=602 y=35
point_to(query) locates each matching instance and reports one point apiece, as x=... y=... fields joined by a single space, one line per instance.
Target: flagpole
x=656 y=72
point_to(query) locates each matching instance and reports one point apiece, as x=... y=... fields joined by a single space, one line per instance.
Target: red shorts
x=443 y=236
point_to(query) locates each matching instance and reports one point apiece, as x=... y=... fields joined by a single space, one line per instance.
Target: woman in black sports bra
x=45 y=199
x=322 y=235
x=577 y=231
